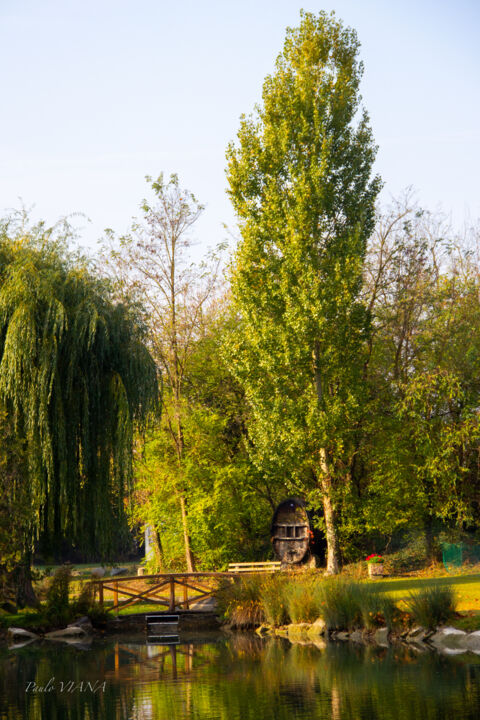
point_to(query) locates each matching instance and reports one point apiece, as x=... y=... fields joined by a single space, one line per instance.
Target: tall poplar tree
x=301 y=184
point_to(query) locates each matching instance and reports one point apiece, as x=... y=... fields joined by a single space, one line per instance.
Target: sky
x=99 y=94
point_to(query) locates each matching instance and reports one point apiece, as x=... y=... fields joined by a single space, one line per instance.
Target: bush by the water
x=433 y=605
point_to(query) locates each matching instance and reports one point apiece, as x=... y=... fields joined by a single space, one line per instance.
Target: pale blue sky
x=97 y=94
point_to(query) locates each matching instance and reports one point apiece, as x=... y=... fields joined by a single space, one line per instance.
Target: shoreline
x=446 y=639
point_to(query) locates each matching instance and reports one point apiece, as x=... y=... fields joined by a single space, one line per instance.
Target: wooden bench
x=251 y=567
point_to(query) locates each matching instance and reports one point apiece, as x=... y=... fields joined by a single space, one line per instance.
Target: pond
x=240 y=677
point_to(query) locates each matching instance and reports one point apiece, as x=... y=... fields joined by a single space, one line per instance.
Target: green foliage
x=432 y=606
x=280 y=599
x=229 y=501
x=84 y=602
x=412 y=555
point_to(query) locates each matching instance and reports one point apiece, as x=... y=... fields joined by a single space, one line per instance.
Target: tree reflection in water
x=242 y=677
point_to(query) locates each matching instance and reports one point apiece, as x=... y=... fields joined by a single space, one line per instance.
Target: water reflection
x=235 y=678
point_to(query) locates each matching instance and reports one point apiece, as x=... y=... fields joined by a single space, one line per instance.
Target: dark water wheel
x=291 y=532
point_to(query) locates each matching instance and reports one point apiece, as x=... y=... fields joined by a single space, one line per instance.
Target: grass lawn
x=467 y=588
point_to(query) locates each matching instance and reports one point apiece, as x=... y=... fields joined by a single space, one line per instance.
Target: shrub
x=85 y=600
x=432 y=606
x=57 y=607
x=412 y=556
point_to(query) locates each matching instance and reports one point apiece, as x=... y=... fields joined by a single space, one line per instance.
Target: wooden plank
x=254 y=567
x=127 y=590
x=256 y=562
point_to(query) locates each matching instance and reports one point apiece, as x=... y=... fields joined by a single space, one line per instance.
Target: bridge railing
x=161 y=589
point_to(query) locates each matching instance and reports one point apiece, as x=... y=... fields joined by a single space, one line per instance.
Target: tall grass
x=341 y=604
x=239 y=601
x=432 y=606
x=377 y=608
x=303 y=600
x=274 y=599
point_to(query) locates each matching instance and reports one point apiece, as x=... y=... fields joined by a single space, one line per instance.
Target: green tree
x=75 y=376
x=301 y=184
x=416 y=464
x=151 y=265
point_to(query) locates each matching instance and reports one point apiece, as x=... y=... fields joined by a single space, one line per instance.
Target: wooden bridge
x=173 y=591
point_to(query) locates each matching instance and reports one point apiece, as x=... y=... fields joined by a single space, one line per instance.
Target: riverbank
x=344 y=606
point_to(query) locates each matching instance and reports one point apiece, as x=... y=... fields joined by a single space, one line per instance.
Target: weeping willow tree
x=75 y=378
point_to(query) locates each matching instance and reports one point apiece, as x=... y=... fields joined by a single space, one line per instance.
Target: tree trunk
x=329 y=515
x=21 y=580
x=186 y=537
x=158 y=550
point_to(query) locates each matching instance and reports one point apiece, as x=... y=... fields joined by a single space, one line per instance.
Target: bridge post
x=115 y=597
x=185 y=596
x=172 y=594
x=100 y=594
